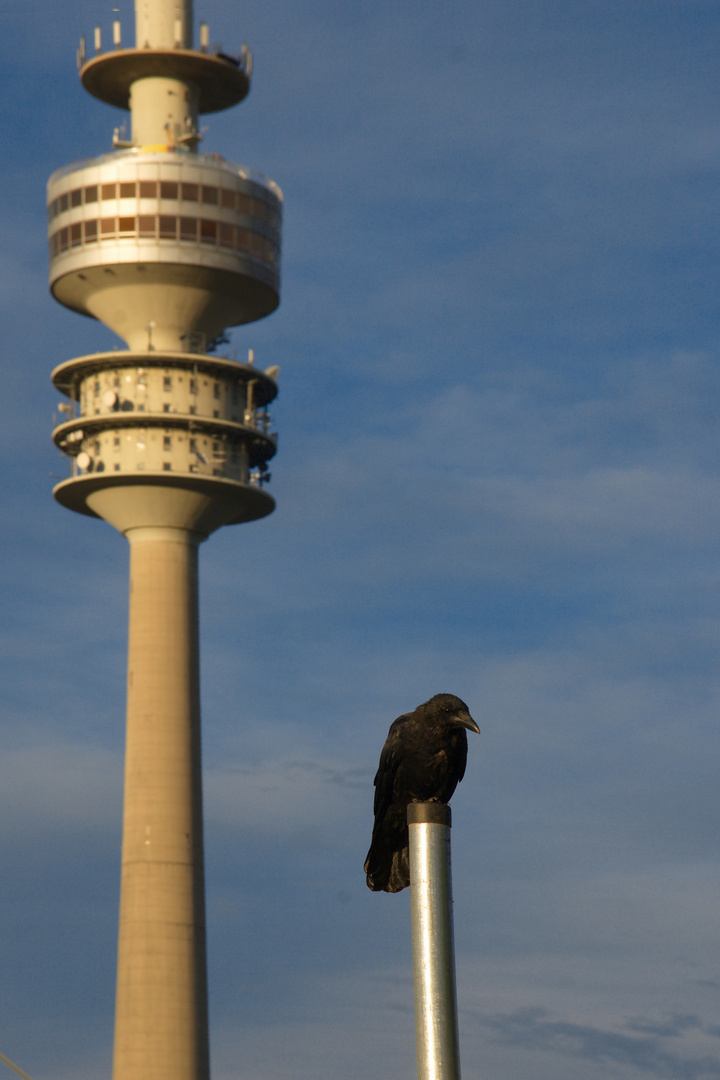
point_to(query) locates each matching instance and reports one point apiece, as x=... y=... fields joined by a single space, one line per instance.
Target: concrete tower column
x=161 y=1013
x=163 y=24
x=163 y=110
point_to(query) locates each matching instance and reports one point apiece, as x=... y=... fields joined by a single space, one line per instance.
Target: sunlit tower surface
x=167 y=441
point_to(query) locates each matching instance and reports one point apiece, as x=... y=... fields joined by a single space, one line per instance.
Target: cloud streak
x=649 y=1049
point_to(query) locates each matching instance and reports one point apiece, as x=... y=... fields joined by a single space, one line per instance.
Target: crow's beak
x=464 y=719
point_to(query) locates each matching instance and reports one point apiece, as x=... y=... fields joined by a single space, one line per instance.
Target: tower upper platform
x=223 y=80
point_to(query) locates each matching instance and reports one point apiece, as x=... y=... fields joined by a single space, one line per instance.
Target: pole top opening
x=429 y=813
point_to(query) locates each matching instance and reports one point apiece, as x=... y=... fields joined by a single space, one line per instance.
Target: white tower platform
x=167 y=442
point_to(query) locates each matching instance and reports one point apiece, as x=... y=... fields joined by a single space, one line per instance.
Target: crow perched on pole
x=423 y=760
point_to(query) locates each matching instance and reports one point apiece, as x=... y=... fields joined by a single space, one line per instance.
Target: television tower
x=167 y=442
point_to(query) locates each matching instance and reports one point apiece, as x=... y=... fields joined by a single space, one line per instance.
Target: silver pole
x=436 y=1031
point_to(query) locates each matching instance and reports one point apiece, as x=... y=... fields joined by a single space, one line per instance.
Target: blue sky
x=497 y=476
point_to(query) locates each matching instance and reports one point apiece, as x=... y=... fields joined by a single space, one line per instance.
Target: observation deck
x=176 y=419
x=177 y=240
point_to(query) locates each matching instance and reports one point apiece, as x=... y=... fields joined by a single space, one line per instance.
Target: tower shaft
x=161 y=1012
x=163 y=24
x=163 y=110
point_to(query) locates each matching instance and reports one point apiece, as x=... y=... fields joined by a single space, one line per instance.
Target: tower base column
x=161 y=1028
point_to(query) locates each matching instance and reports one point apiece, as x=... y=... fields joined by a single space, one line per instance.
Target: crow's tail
x=387 y=870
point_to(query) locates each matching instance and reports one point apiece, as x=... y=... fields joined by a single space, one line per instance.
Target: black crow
x=423 y=760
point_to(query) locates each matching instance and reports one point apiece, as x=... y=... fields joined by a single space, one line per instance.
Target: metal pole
x=436 y=1031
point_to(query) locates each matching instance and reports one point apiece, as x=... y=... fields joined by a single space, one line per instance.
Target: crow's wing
x=390 y=758
x=461 y=759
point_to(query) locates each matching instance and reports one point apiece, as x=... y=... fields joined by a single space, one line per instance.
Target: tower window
x=148 y=189
x=108 y=191
x=168 y=190
x=227 y=235
x=189 y=192
x=167 y=382
x=168 y=228
x=210 y=195
x=188 y=228
x=127 y=191
x=167 y=442
x=91 y=193
x=208 y=231
x=193 y=386
x=76 y=197
x=166 y=466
